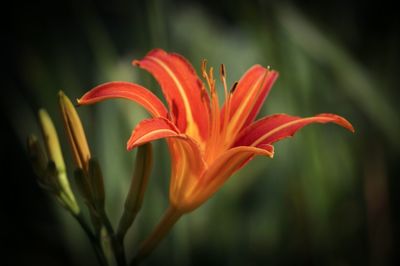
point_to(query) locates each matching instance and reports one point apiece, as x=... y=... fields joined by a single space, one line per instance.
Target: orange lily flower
x=208 y=143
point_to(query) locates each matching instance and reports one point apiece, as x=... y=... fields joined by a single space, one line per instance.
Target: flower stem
x=93 y=240
x=170 y=217
x=117 y=246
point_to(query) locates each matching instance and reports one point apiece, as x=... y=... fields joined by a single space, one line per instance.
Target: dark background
x=57 y=33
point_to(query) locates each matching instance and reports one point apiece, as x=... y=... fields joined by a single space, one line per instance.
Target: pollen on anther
x=233 y=87
x=222 y=70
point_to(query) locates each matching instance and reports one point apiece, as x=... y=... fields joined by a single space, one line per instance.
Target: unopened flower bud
x=75 y=132
x=55 y=156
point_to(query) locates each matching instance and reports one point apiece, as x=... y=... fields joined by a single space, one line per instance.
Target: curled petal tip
x=269 y=150
x=130 y=146
x=349 y=126
x=272 y=154
x=340 y=121
x=346 y=124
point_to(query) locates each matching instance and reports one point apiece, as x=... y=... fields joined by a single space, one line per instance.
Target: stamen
x=227 y=99
x=203 y=68
x=233 y=87
x=222 y=71
x=215 y=123
x=211 y=77
x=205 y=75
x=223 y=80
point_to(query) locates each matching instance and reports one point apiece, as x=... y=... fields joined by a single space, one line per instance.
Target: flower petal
x=185 y=93
x=276 y=127
x=187 y=166
x=223 y=167
x=270 y=80
x=126 y=90
x=152 y=129
x=187 y=163
x=248 y=97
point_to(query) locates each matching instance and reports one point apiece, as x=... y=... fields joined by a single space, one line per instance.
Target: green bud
x=55 y=155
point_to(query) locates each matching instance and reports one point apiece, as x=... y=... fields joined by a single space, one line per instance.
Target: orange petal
x=185 y=93
x=248 y=97
x=270 y=80
x=217 y=173
x=276 y=127
x=126 y=90
x=187 y=166
x=152 y=129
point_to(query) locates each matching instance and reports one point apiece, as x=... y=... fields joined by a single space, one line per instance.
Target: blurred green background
x=327 y=198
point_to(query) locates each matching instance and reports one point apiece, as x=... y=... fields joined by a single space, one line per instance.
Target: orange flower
x=208 y=143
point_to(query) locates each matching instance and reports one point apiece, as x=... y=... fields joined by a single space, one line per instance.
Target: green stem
x=93 y=241
x=124 y=224
x=117 y=246
x=170 y=217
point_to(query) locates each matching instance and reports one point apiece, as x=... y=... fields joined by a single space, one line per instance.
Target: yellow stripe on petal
x=245 y=107
x=185 y=93
x=191 y=127
x=187 y=165
x=276 y=127
x=152 y=129
x=297 y=124
x=125 y=90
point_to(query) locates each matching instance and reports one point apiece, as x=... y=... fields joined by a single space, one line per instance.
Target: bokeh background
x=327 y=198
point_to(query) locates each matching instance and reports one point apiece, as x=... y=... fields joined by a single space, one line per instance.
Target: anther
x=233 y=87
x=222 y=71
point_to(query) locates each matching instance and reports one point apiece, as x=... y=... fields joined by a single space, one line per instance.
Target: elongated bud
x=76 y=134
x=97 y=184
x=51 y=140
x=55 y=155
x=133 y=203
